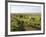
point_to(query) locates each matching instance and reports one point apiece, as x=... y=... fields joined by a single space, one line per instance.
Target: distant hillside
x=28 y=13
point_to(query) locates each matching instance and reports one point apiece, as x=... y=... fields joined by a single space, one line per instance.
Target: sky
x=20 y=8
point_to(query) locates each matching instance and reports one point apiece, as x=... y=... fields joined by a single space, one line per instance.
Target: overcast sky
x=25 y=8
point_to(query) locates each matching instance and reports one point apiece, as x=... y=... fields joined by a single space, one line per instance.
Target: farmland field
x=25 y=22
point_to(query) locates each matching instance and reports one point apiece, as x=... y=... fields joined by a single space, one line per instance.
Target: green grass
x=22 y=22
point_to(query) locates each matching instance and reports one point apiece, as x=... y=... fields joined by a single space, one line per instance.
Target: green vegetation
x=24 y=22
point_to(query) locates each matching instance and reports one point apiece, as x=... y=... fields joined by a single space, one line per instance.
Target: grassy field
x=25 y=22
